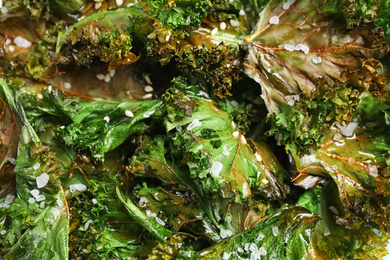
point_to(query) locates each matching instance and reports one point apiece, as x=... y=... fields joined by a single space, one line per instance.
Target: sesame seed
x=151 y=35
x=214 y=31
x=112 y=73
x=243 y=140
x=107 y=119
x=119 y=2
x=2 y=232
x=107 y=78
x=99 y=248
x=258 y=157
x=334 y=210
x=265 y=181
x=222 y=26
x=148 y=88
x=147 y=79
x=40 y=96
x=11 y=48
x=62 y=127
x=159 y=221
x=94 y=201
x=147 y=96
x=86 y=250
x=31 y=200
x=42 y=204
x=98 y=5
x=100 y=76
x=128 y=113
x=36 y=166
x=236 y=62
x=242 y=12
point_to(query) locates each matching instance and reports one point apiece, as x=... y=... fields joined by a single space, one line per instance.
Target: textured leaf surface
x=295 y=52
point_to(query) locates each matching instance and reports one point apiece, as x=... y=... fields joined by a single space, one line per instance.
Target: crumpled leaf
x=39 y=227
x=311 y=50
x=358 y=165
x=218 y=156
x=9 y=132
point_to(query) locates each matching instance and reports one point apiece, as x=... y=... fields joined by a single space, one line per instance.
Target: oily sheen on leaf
x=298 y=47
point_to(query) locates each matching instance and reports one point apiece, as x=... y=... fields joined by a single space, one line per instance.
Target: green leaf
x=101 y=126
x=218 y=156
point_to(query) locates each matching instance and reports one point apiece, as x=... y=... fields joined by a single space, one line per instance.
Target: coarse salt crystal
x=274 y=20
x=67 y=85
x=242 y=12
x=34 y=193
x=36 y=166
x=42 y=180
x=107 y=119
x=316 y=60
x=2 y=232
x=289 y=47
x=262 y=251
x=94 y=201
x=21 y=42
x=347 y=130
x=275 y=231
x=225 y=233
x=12 y=161
x=119 y=2
x=305 y=49
x=326 y=231
x=214 y=31
x=128 y=113
x=193 y=124
x=234 y=103
x=77 y=187
x=4 y=10
x=235 y=134
x=286 y=6
x=372 y=170
x=236 y=62
x=216 y=169
x=11 y=48
x=253 y=247
x=142 y=201
x=179 y=128
x=40 y=197
x=31 y=200
x=222 y=26
x=9 y=199
x=225 y=152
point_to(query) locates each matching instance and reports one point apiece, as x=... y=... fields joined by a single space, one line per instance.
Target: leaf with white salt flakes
x=307 y=47
x=220 y=157
x=358 y=166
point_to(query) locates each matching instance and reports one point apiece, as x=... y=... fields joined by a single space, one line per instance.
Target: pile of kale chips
x=178 y=129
